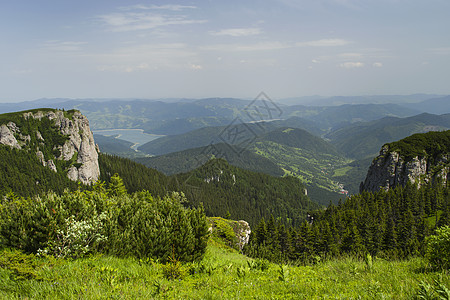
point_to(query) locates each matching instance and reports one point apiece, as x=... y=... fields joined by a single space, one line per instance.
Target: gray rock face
x=243 y=233
x=389 y=169
x=81 y=141
x=80 y=144
x=7 y=137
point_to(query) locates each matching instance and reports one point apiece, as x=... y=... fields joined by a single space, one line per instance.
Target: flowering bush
x=78 y=238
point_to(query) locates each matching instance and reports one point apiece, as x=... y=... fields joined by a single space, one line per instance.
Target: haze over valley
x=277 y=149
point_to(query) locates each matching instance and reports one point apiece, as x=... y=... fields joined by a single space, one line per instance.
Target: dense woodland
x=226 y=190
x=391 y=224
x=430 y=145
x=22 y=173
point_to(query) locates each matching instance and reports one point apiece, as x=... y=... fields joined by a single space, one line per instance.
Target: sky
x=200 y=49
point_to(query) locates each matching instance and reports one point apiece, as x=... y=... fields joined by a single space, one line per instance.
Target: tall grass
x=222 y=274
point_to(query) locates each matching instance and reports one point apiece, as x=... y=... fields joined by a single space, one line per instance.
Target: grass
x=223 y=274
x=342 y=171
x=309 y=166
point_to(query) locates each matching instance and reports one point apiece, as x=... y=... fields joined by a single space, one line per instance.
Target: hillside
x=299 y=138
x=331 y=117
x=293 y=150
x=113 y=145
x=314 y=168
x=435 y=105
x=235 y=134
x=187 y=160
x=224 y=189
x=364 y=139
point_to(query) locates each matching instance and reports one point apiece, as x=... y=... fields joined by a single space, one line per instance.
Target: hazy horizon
x=200 y=49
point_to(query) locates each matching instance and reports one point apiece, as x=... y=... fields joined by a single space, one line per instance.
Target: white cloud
x=145 y=58
x=130 y=21
x=266 y=46
x=172 y=7
x=324 y=43
x=350 y=55
x=196 y=67
x=440 y=51
x=237 y=32
x=377 y=64
x=351 y=65
x=63 y=46
x=22 y=71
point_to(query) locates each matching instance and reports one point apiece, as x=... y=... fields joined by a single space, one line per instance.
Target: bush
x=104 y=220
x=174 y=270
x=438 y=248
x=23 y=266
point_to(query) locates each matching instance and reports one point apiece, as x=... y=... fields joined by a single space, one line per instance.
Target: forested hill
x=299 y=138
x=226 y=190
x=187 y=160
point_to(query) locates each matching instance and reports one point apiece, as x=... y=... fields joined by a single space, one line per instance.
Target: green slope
x=365 y=139
x=187 y=160
x=224 y=189
x=115 y=146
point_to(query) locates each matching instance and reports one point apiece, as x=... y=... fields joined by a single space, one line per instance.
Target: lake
x=137 y=136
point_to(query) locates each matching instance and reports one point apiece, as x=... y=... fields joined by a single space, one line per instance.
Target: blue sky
x=196 y=49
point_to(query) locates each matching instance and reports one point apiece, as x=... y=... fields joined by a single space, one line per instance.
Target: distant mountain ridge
x=172 y=116
x=364 y=139
x=187 y=160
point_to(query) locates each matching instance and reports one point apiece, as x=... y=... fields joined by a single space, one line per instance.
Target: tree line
x=392 y=224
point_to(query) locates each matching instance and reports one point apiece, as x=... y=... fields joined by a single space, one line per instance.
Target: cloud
x=22 y=71
x=440 y=51
x=377 y=64
x=63 y=46
x=237 y=32
x=196 y=67
x=266 y=46
x=130 y=21
x=351 y=65
x=172 y=7
x=145 y=58
x=324 y=43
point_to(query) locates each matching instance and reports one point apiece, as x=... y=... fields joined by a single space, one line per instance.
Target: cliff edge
x=62 y=140
x=418 y=159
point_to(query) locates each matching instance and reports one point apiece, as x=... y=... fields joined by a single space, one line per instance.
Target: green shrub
x=438 y=248
x=173 y=270
x=104 y=220
x=23 y=266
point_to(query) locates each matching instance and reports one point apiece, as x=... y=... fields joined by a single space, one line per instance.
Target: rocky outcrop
x=78 y=147
x=243 y=233
x=7 y=137
x=390 y=169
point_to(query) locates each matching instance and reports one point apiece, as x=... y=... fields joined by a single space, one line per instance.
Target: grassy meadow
x=222 y=274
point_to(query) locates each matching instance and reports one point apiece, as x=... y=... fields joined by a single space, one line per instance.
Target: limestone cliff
x=418 y=159
x=62 y=141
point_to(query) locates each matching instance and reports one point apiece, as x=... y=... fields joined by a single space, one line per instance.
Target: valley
x=225 y=150
x=297 y=192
